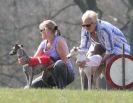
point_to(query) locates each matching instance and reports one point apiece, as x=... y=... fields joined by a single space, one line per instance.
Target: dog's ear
x=77 y=48
x=74 y=48
x=21 y=45
x=16 y=46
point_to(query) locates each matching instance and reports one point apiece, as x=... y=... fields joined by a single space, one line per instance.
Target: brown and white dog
x=93 y=59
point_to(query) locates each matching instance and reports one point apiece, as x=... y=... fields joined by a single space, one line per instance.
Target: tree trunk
x=88 y=5
x=130 y=30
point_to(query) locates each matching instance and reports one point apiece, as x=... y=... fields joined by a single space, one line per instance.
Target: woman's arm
x=62 y=50
x=84 y=42
x=39 y=52
x=108 y=41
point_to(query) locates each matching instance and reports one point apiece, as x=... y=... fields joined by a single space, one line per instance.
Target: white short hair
x=89 y=14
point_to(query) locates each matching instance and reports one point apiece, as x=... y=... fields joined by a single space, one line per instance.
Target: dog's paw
x=27 y=87
x=101 y=76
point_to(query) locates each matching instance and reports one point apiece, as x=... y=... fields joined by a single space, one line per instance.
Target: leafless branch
x=61 y=10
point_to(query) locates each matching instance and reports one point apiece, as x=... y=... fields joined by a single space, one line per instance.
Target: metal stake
x=123 y=67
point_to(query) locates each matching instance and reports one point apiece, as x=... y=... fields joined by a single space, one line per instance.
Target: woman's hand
x=106 y=59
x=81 y=64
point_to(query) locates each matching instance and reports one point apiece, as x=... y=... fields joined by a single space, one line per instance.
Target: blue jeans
x=61 y=76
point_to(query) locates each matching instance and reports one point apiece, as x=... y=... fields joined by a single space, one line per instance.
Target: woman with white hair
x=55 y=46
x=96 y=31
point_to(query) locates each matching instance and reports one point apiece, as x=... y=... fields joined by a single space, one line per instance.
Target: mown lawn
x=8 y=95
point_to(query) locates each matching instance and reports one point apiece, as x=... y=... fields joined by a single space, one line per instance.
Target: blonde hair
x=51 y=25
x=89 y=14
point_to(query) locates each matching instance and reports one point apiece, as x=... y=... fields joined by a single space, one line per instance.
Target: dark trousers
x=60 y=77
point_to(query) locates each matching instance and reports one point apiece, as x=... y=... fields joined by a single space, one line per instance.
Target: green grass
x=8 y=95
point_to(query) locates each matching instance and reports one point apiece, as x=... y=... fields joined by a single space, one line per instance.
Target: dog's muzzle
x=69 y=56
x=12 y=53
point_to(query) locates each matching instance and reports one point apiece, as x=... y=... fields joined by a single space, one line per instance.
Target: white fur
x=92 y=64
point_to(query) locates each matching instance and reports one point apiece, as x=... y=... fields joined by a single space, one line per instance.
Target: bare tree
x=129 y=5
x=88 y=4
x=19 y=22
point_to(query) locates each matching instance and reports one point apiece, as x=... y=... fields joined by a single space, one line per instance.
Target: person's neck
x=94 y=36
x=50 y=39
x=94 y=31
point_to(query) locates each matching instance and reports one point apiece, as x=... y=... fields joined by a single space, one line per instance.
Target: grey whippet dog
x=29 y=71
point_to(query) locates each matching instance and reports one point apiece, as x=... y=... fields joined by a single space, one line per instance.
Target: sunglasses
x=87 y=25
x=42 y=30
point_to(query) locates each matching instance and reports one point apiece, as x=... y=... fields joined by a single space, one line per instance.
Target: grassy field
x=64 y=96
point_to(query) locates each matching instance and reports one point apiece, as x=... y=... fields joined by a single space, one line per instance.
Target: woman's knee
x=59 y=63
x=59 y=66
x=38 y=83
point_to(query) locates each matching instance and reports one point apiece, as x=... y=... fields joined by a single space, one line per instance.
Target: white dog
x=93 y=61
